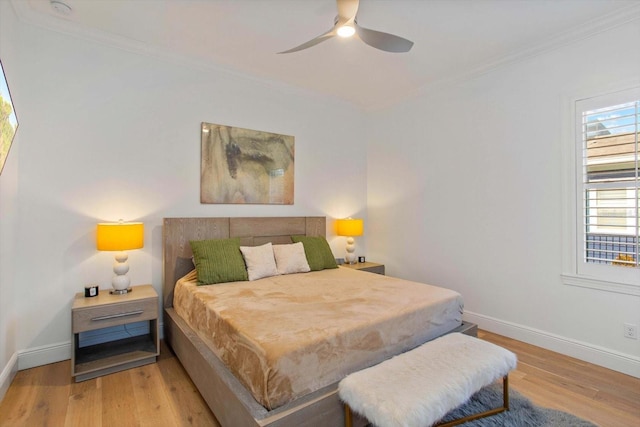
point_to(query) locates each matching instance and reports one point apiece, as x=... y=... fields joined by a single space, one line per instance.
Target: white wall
x=108 y=134
x=8 y=222
x=463 y=186
x=471 y=198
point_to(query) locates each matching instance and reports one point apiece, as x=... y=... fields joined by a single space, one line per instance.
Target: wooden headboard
x=177 y=232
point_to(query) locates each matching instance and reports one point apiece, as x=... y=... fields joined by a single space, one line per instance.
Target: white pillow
x=259 y=261
x=291 y=258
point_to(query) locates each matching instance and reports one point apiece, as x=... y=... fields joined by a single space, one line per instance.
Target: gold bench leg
x=505 y=392
x=348 y=422
x=504 y=407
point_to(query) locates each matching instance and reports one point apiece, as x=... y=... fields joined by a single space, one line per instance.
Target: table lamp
x=350 y=227
x=120 y=237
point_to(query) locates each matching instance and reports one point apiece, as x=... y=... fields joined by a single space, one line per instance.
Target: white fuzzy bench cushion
x=419 y=387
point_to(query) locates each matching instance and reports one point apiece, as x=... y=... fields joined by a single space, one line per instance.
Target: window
x=607 y=189
x=609 y=144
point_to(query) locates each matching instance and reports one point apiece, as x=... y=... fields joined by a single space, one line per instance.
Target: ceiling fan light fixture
x=346 y=25
x=61 y=7
x=346 y=31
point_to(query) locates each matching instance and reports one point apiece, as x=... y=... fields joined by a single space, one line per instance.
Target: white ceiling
x=453 y=38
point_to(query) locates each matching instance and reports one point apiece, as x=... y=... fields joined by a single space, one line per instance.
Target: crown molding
x=584 y=31
x=67 y=27
x=575 y=35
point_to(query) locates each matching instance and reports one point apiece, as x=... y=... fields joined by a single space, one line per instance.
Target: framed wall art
x=244 y=166
x=8 y=119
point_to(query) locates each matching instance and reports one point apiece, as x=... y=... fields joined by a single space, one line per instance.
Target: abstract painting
x=8 y=120
x=244 y=166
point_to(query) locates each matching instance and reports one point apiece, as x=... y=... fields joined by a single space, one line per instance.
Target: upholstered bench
x=419 y=387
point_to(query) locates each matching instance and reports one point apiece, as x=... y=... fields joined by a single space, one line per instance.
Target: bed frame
x=231 y=403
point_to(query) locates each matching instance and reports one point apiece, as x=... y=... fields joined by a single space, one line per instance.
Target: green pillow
x=317 y=251
x=218 y=261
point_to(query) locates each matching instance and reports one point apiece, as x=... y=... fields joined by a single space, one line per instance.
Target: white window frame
x=575 y=271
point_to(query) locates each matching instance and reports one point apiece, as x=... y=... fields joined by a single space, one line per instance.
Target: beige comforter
x=286 y=336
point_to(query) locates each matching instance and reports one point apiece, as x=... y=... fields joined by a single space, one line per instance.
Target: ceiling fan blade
x=347 y=9
x=383 y=41
x=312 y=42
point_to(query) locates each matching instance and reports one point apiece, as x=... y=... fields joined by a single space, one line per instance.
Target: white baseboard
x=601 y=356
x=610 y=359
x=52 y=353
x=43 y=355
x=7 y=374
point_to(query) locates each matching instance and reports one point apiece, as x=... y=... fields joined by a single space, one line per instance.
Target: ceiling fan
x=346 y=25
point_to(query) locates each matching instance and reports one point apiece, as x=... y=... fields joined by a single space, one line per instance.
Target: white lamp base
x=120 y=281
x=350 y=257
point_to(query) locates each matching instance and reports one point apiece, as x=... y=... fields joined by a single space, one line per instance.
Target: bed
x=235 y=399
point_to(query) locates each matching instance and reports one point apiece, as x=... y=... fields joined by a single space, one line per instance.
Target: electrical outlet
x=630 y=331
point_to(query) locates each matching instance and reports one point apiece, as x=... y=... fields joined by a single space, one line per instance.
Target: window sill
x=603 y=285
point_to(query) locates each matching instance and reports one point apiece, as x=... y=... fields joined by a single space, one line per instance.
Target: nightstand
x=371 y=267
x=105 y=311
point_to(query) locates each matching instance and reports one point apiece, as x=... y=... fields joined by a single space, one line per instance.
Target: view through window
x=610 y=189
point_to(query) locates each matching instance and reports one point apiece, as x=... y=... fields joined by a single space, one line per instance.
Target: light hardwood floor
x=161 y=394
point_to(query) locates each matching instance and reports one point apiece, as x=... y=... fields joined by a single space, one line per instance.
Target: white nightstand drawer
x=114 y=314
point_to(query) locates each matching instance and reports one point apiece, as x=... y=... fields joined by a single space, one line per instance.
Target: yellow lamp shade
x=350 y=227
x=120 y=236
